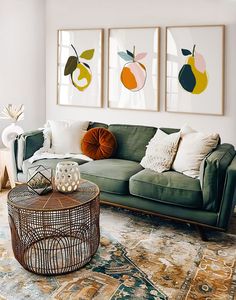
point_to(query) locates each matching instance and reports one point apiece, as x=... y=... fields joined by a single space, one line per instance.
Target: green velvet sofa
x=207 y=201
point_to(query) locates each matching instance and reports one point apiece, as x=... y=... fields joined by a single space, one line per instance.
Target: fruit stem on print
x=193 y=76
x=79 y=71
x=133 y=75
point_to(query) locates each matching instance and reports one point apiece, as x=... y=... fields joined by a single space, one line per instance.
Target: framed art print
x=195 y=69
x=79 y=67
x=133 y=68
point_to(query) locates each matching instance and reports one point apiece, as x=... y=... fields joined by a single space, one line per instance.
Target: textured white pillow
x=193 y=148
x=67 y=136
x=161 y=151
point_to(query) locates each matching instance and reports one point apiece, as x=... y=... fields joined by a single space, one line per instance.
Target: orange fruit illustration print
x=79 y=70
x=133 y=75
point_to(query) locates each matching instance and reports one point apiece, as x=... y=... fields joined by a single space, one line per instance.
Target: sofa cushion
x=161 y=151
x=131 y=140
x=67 y=136
x=168 y=187
x=27 y=144
x=193 y=148
x=48 y=163
x=98 y=143
x=111 y=175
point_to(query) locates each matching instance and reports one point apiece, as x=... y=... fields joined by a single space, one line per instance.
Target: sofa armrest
x=13 y=151
x=27 y=144
x=229 y=196
x=213 y=175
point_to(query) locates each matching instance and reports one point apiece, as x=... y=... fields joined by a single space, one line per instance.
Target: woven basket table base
x=55 y=233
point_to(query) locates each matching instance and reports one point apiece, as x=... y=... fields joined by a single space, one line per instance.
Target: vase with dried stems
x=14 y=113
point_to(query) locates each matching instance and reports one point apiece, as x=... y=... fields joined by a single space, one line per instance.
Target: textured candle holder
x=67 y=177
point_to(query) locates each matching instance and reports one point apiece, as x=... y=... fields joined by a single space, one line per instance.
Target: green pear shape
x=187 y=78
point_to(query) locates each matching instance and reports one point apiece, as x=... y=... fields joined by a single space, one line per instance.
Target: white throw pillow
x=193 y=148
x=161 y=151
x=47 y=135
x=67 y=136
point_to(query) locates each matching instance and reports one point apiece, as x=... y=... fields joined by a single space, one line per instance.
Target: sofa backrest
x=169 y=130
x=131 y=140
x=96 y=124
x=27 y=144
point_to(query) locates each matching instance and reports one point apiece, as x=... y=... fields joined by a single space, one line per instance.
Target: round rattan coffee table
x=55 y=233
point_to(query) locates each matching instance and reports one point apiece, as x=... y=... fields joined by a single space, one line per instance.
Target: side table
x=6 y=169
x=54 y=233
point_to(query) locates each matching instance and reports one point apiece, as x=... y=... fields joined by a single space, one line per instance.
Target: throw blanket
x=44 y=153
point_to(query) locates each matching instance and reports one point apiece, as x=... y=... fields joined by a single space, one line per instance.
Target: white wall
x=22 y=59
x=75 y=14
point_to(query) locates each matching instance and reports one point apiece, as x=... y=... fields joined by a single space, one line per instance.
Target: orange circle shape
x=128 y=78
x=98 y=143
x=133 y=76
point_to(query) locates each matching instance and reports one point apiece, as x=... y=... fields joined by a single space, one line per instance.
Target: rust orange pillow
x=98 y=143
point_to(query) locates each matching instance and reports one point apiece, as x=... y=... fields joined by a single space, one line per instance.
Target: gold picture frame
x=80 y=67
x=134 y=68
x=194 y=69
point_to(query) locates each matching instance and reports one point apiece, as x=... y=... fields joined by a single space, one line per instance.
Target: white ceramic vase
x=10 y=133
x=67 y=176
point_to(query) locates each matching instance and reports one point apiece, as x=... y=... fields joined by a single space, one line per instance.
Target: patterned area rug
x=140 y=257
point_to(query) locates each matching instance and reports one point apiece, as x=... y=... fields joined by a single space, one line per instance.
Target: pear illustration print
x=79 y=70
x=133 y=75
x=193 y=76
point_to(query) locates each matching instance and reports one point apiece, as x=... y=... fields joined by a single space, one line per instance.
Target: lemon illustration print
x=78 y=70
x=193 y=76
x=133 y=75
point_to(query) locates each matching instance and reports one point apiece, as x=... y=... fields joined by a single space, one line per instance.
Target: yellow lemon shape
x=81 y=77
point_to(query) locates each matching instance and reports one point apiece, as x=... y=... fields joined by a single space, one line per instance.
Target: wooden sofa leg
x=202 y=233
